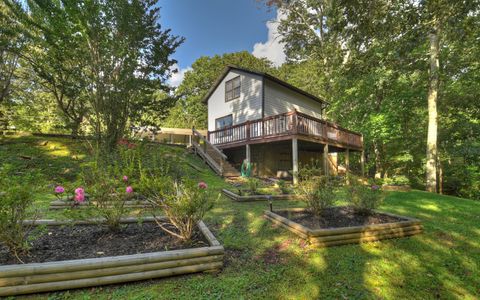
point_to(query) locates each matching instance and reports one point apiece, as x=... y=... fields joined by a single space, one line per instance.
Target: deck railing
x=291 y=123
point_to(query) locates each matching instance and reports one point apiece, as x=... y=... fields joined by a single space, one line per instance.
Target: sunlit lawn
x=263 y=261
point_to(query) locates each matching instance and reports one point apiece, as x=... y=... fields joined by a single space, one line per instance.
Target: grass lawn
x=267 y=262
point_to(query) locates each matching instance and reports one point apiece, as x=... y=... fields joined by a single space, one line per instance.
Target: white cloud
x=272 y=49
x=177 y=78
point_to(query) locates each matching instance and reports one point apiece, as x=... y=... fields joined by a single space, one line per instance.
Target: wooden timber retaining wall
x=81 y=273
x=251 y=198
x=62 y=204
x=349 y=235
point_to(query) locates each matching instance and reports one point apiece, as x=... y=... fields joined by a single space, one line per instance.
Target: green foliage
x=16 y=198
x=282 y=185
x=364 y=198
x=185 y=205
x=102 y=58
x=318 y=192
x=253 y=184
x=397 y=180
x=108 y=192
x=154 y=186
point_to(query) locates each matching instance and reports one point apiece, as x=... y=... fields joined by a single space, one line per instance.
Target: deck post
x=347 y=166
x=248 y=153
x=325 y=159
x=295 y=160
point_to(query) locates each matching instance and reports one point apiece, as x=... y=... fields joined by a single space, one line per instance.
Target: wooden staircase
x=213 y=156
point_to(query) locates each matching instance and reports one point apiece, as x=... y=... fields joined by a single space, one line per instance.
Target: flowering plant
x=79 y=195
x=184 y=206
x=59 y=190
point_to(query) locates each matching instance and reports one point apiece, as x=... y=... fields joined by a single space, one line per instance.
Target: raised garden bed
x=396 y=188
x=340 y=226
x=67 y=202
x=248 y=198
x=47 y=275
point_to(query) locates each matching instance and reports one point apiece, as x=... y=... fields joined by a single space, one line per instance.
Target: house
x=274 y=125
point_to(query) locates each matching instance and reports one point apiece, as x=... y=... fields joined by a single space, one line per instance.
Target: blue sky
x=220 y=26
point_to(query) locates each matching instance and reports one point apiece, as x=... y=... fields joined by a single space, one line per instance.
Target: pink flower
x=59 y=189
x=129 y=190
x=375 y=187
x=202 y=185
x=79 y=194
x=79 y=191
x=79 y=197
x=125 y=178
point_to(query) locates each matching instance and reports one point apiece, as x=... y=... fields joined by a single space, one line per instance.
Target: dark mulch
x=337 y=217
x=91 y=241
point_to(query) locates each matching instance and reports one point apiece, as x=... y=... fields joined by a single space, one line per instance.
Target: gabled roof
x=263 y=75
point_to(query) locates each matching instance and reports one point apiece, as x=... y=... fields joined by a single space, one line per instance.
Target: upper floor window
x=232 y=89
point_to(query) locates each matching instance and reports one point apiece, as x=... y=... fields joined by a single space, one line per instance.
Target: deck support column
x=248 y=154
x=347 y=166
x=325 y=159
x=295 y=160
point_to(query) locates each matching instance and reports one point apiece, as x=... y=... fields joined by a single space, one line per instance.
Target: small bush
x=401 y=180
x=364 y=197
x=253 y=184
x=184 y=205
x=318 y=192
x=282 y=185
x=16 y=197
x=109 y=192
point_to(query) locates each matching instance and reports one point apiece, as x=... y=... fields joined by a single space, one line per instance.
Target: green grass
x=267 y=262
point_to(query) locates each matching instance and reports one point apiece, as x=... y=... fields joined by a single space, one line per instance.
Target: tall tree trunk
x=432 y=156
x=378 y=159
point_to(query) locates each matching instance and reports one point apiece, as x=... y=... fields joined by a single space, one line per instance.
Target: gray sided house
x=274 y=125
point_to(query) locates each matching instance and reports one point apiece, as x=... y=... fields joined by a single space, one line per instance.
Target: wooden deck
x=284 y=127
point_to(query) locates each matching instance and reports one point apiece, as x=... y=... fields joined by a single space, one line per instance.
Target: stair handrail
x=199 y=135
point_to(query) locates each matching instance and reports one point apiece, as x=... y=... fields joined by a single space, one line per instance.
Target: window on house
x=223 y=122
x=232 y=89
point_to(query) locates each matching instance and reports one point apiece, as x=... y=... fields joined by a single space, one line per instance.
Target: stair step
x=228 y=169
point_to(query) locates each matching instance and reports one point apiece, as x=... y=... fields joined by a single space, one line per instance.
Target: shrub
x=184 y=205
x=364 y=197
x=16 y=197
x=401 y=180
x=109 y=191
x=154 y=187
x=318 y=192
x=282 y=185
x=253 y=184
x=162 y=164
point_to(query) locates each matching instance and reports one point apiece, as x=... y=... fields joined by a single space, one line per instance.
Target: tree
x=10 y=43
x=117 y=47
x=189 y=109
x=372 y=51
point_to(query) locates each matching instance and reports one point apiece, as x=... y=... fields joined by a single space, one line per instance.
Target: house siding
x=279 y=99
x=247 y=107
